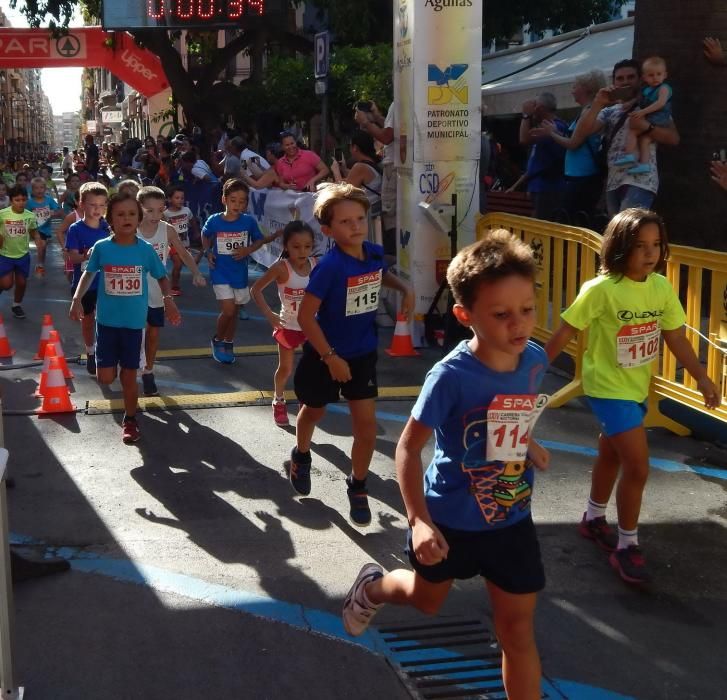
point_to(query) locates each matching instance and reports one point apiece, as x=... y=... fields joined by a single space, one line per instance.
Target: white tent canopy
x=512 y=76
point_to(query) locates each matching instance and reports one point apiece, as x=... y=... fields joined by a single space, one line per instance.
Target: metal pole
x=7 y=671
x=324 y=126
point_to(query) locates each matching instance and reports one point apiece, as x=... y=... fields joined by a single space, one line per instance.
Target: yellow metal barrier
x=567 y=257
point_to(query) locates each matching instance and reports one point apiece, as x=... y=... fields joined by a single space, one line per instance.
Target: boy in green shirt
x=16 y=226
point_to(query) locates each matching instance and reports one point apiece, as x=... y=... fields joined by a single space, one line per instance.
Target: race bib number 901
x=362 y=293
x=510 y=418
x=230 y=241
x=638 y=345
x=123 y=280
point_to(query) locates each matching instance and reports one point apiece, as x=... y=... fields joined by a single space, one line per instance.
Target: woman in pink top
x=297 y=169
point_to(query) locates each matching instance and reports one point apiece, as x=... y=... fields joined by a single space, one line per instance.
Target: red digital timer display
x=182 y=14
x=203 y=10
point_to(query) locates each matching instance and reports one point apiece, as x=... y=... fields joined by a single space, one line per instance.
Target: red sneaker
x=280 y=413
x=130 y=431
x=176 y=292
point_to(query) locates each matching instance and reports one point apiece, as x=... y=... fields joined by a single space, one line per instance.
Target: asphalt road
x=196 y=573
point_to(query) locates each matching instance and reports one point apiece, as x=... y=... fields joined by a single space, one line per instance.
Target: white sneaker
x=357 y=610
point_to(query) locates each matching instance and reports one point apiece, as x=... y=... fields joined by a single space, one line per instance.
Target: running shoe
x=230 y=351
x=600 y=532
x=626 y=159
x=280 y=413
x=630 y=564
x=219 y=353
x=150 y=385
x=357 y=610
x=17 y=311
x=360 y=513
x=91 y=364
x=130 y=431
x=176 y=292
x=299 y=472
x=243 y=315
x=39 y=272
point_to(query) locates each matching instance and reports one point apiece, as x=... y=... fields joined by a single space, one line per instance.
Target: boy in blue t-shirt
x=338 y=317
x=122 y=261
x=80 y=238
x=471 y=516
x=228 y=239
x=45 y=208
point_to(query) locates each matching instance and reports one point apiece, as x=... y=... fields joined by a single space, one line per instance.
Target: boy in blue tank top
x=338 y=317
x=471 y=515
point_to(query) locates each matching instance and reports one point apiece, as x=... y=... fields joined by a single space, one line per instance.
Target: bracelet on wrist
x=331 y=353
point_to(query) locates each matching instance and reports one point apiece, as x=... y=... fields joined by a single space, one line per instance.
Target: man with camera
x=609 y=112
x=368 y=117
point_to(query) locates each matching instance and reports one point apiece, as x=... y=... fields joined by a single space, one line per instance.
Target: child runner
x=44 y=207
x=129 y=187
x=46 y=172
x=228 y=239
x=291 y=273
x=82 y=235
x=186 y=226
x=338 y=317
x=17 y=224
x=470 y=515
x=62 y=232
x=161 y=236
x=627 y=308
x=69 y=198
x=655 y=105
x=23 y=180
x=122 y=261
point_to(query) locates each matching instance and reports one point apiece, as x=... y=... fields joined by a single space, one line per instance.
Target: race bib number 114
x=510 y=418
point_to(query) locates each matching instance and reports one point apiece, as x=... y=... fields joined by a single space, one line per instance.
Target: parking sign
x=321 y=54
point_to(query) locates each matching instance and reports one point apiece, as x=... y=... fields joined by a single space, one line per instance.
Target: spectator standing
x=583 y=177
x=365 y=171
x=297 y=169
x=382 y=130
x=624 y=190
x=544 y=173
x=92 y=156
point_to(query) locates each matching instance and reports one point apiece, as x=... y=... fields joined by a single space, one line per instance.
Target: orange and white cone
x=44 y=336
x=56 y=398
x=5 y=349
x=401 y=344
x=50 y=352
x=55 y=338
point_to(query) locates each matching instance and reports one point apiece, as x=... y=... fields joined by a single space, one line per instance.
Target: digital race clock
x=180 y=14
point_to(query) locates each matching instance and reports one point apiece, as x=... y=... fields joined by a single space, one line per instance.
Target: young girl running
x=291 y=273
x=628 y=307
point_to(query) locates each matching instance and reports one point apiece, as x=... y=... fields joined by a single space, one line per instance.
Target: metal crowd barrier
x=567 y=256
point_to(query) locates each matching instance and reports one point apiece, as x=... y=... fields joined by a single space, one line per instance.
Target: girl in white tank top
x=291 y=274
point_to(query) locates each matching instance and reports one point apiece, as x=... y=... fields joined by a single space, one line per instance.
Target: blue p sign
x=321 y=54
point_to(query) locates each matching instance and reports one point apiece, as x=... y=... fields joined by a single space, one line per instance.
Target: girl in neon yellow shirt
x=627 y=309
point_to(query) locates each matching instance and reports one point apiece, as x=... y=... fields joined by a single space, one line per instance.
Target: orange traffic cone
x=401 y=345
x=5 y=349
x=44 y=336
x=55 y=338
x=50 y=352
x=56 y=398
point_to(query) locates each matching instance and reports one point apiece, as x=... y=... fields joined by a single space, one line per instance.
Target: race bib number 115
x=362 y=293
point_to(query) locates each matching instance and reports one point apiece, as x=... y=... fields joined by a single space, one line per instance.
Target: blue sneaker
x=229 y=350
x=360 y=513
x=219 y=352
x=627 y=159
x=640 y=169
x=299 y=472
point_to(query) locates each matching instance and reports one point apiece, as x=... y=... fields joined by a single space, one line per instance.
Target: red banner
x=89 y=47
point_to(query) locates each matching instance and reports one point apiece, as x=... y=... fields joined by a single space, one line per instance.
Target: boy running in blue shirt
x=228 y=239
x=338 y=317
x=80 y=238
x=44 y=207
x=470 y=516
x=122 y=261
